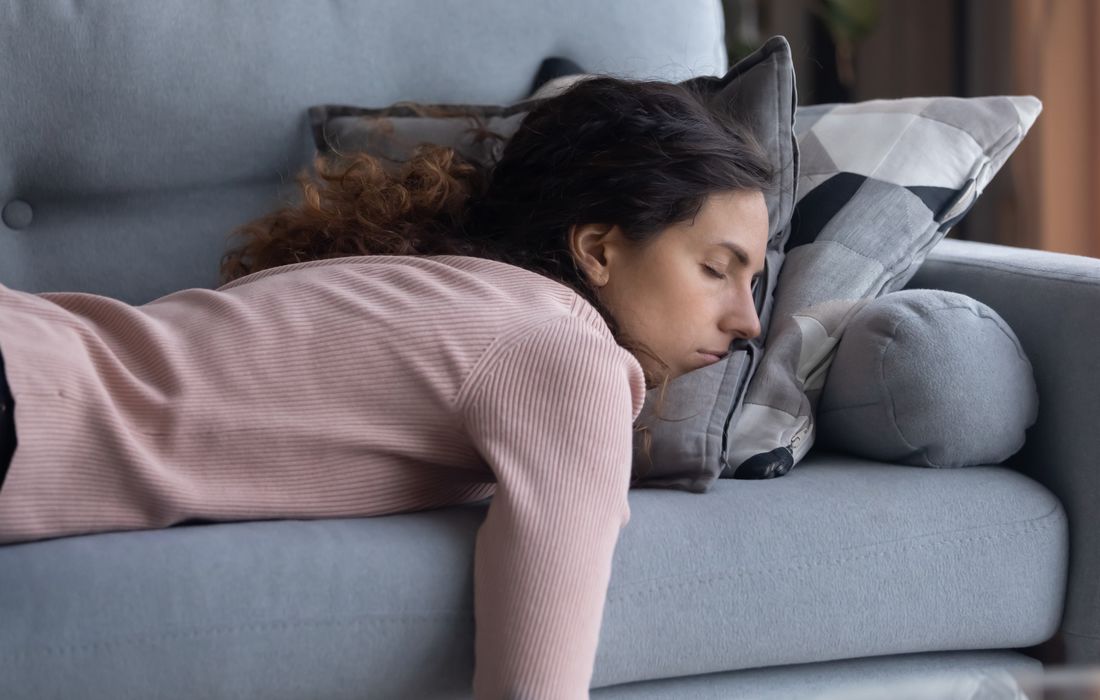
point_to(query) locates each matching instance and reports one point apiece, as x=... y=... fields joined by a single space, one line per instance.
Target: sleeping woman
x=411 y=338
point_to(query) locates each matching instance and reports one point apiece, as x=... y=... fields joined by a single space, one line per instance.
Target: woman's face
x=687 y=291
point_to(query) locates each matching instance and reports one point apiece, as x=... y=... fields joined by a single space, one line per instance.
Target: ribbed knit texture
x=347 y=387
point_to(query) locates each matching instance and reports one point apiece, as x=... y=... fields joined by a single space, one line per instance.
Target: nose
x=741 y=320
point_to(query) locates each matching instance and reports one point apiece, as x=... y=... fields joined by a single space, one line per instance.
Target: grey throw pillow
x=928 y=378
x=690 y=437
x=391 y=133
x=880 y=183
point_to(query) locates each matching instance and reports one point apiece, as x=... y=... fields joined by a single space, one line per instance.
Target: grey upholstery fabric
x=138 y=134
x=830 y=562
x=1050 y=300
x=880 y=183
x=928 y=378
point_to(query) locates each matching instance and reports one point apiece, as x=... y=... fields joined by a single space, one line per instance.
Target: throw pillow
x=689 y=438
x=880 y=183
x=928 y=378
x=391 y=133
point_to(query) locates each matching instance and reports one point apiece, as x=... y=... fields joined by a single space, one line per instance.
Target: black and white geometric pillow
x=880 y=184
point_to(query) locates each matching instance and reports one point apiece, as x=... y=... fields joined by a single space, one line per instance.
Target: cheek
x=665 y=305
x=643 y=308
x=672 y=308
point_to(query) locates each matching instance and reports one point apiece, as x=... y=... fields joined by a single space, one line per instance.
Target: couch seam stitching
x=1029 y=527
x=211 y=630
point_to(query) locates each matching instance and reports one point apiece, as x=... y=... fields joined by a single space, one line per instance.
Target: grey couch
x=134 y=135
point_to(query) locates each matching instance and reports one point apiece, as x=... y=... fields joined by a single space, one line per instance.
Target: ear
x=593 y=247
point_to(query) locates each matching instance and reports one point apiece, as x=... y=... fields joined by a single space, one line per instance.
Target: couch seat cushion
x=841 y=558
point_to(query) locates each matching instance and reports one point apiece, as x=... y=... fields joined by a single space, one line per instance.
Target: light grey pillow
x=928 y=378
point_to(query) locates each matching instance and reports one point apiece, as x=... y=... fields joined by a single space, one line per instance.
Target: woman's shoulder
x=483 y=267
x=470 y=289
x=578 y=305
x=491 y=285
x=566 y=358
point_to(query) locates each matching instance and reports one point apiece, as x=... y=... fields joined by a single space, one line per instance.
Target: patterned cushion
x=690 y=436
x=881 y=182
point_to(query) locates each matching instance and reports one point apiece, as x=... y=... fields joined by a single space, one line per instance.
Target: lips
x=717 y=353
x=712 y=357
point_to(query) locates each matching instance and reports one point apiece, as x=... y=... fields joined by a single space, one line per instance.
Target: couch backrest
x=135 y=134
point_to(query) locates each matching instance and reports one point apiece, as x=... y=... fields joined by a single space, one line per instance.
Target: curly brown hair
x=642 y=154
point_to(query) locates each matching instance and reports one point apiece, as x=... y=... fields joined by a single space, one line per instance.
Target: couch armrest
x=1052 y=302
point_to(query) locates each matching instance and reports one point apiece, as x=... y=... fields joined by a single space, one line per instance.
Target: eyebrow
x=740 y=253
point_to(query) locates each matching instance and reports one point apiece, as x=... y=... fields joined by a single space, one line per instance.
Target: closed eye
x=713 y=272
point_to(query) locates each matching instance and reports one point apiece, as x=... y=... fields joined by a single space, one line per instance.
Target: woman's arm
x=552 y=415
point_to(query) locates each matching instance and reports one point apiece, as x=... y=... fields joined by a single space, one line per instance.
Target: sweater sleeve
x=552 y=416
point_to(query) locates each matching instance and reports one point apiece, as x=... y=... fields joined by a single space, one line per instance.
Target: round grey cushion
x=928 y=378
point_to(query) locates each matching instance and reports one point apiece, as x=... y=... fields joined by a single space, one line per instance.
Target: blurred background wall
x=1048 y=194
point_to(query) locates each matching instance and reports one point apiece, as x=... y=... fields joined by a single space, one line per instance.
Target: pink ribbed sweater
x=346 y=387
